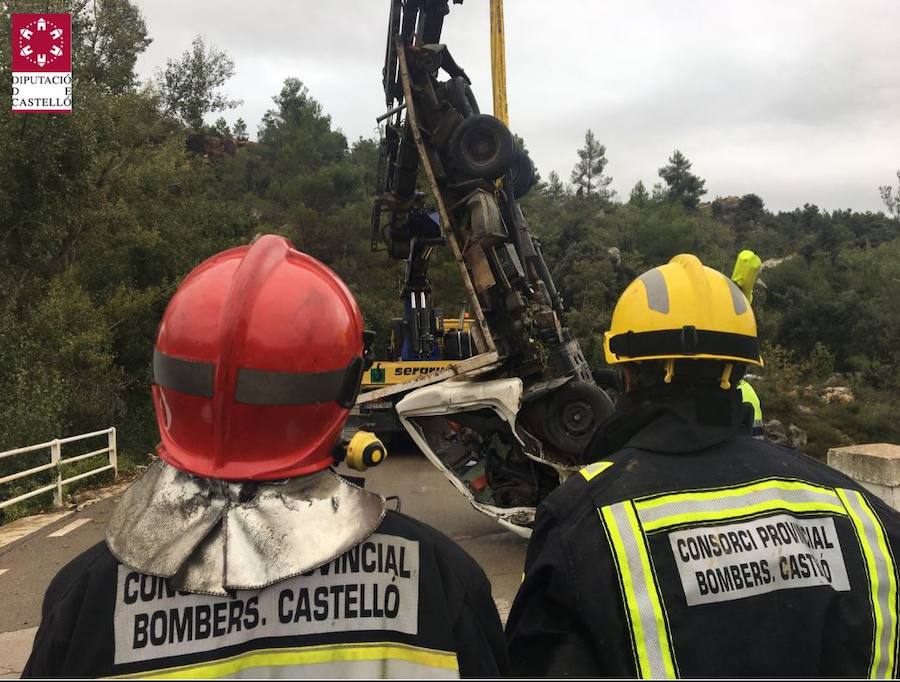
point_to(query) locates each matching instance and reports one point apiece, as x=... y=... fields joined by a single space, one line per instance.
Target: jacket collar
x=211 y=536
x=680 y=422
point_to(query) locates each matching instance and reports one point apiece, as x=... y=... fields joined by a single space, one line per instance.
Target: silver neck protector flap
x=211 y=536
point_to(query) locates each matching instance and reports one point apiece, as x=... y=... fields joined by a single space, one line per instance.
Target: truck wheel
x=482 y=147
x=522 y=172
x=574 y=413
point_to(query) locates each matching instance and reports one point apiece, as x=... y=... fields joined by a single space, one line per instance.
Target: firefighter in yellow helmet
x=688 y=547
x=746 y=268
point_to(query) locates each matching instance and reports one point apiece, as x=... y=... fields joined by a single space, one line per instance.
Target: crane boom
x=498 y=61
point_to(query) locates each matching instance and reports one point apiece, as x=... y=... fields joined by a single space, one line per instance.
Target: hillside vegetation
x=104 y=211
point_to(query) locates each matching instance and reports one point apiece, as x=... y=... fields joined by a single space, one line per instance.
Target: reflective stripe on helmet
x=186 y=376
x=738 y=300
x=260 y=387
x=657 y=292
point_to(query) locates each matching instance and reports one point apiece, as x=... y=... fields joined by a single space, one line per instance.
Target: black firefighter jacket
x=406 y=602
x=698 y=551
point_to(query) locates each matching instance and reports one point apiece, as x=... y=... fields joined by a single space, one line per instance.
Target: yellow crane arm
x=498 y=62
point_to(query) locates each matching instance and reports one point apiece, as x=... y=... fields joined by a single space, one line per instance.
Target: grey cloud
x=796 y=101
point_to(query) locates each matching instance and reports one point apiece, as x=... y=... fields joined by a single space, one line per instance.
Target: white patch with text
x=374 y=586
x=740 y=560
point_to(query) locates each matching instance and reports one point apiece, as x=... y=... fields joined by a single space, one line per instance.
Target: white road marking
x=65 y=530
x=3 y=570
x=22 y=527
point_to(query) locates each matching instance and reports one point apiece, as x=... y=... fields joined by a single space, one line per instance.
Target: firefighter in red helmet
x=240 y=552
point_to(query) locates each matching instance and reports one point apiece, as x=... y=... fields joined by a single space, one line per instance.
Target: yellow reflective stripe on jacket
x=649 y=628
x=595 y=469
x=627 y=524
x=726 y=503
x=378 y=659
x=882 y=574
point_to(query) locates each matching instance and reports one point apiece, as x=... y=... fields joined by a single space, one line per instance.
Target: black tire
x=574 y=413
x=460 y=96
x=607 y=379
x=482 y=147
x=457 y=346
x=522 y=172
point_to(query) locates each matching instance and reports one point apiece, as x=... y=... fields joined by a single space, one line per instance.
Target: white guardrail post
x=55 y=456
x=113 y=453
x=56 y=464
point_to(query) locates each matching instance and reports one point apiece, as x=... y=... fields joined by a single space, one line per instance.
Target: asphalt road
x=48 y=542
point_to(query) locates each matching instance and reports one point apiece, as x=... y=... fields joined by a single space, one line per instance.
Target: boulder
x=837 y=394
x=775 y=432
x=774 y=262
x=797 y=437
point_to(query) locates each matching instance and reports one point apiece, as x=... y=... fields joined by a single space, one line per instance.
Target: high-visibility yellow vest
x=749 y=396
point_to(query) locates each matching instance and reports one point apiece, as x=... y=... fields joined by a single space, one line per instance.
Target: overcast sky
x=795 y=100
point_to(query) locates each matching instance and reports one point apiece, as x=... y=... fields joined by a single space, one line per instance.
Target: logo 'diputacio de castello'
x=42 y=63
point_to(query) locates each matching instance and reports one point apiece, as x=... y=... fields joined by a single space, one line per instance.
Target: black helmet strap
x=686 y=341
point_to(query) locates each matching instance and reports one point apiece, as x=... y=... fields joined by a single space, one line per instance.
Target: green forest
x=102 y=212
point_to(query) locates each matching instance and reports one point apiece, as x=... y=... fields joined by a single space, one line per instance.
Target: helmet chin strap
x=633 y=377
x=725 y=382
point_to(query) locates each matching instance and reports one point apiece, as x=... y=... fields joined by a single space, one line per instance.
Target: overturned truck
x=508 y=424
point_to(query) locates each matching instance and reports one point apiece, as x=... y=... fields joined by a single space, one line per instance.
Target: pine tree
x=221 y=126
x=640 y=197
x=240 y=130
x=683 y=186
x=890 y=201
x=555 y=188
x=587 y=175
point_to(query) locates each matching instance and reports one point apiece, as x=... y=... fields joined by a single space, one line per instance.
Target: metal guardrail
x=56 y=462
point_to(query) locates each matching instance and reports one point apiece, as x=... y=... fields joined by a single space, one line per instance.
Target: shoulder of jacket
x=430 y=539
x=96 y=559
x=580 y=489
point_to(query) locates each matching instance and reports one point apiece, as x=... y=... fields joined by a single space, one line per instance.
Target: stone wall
x=876 y=466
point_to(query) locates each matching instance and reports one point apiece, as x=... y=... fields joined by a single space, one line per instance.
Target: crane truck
x=511 y=421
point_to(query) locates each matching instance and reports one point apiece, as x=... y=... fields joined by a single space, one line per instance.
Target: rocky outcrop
x=792 y=436
x=775 y=262
x=776 y=432
x=797 y=437
x=842 y=395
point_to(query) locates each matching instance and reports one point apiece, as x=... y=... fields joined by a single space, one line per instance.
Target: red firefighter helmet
x=257 y=361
